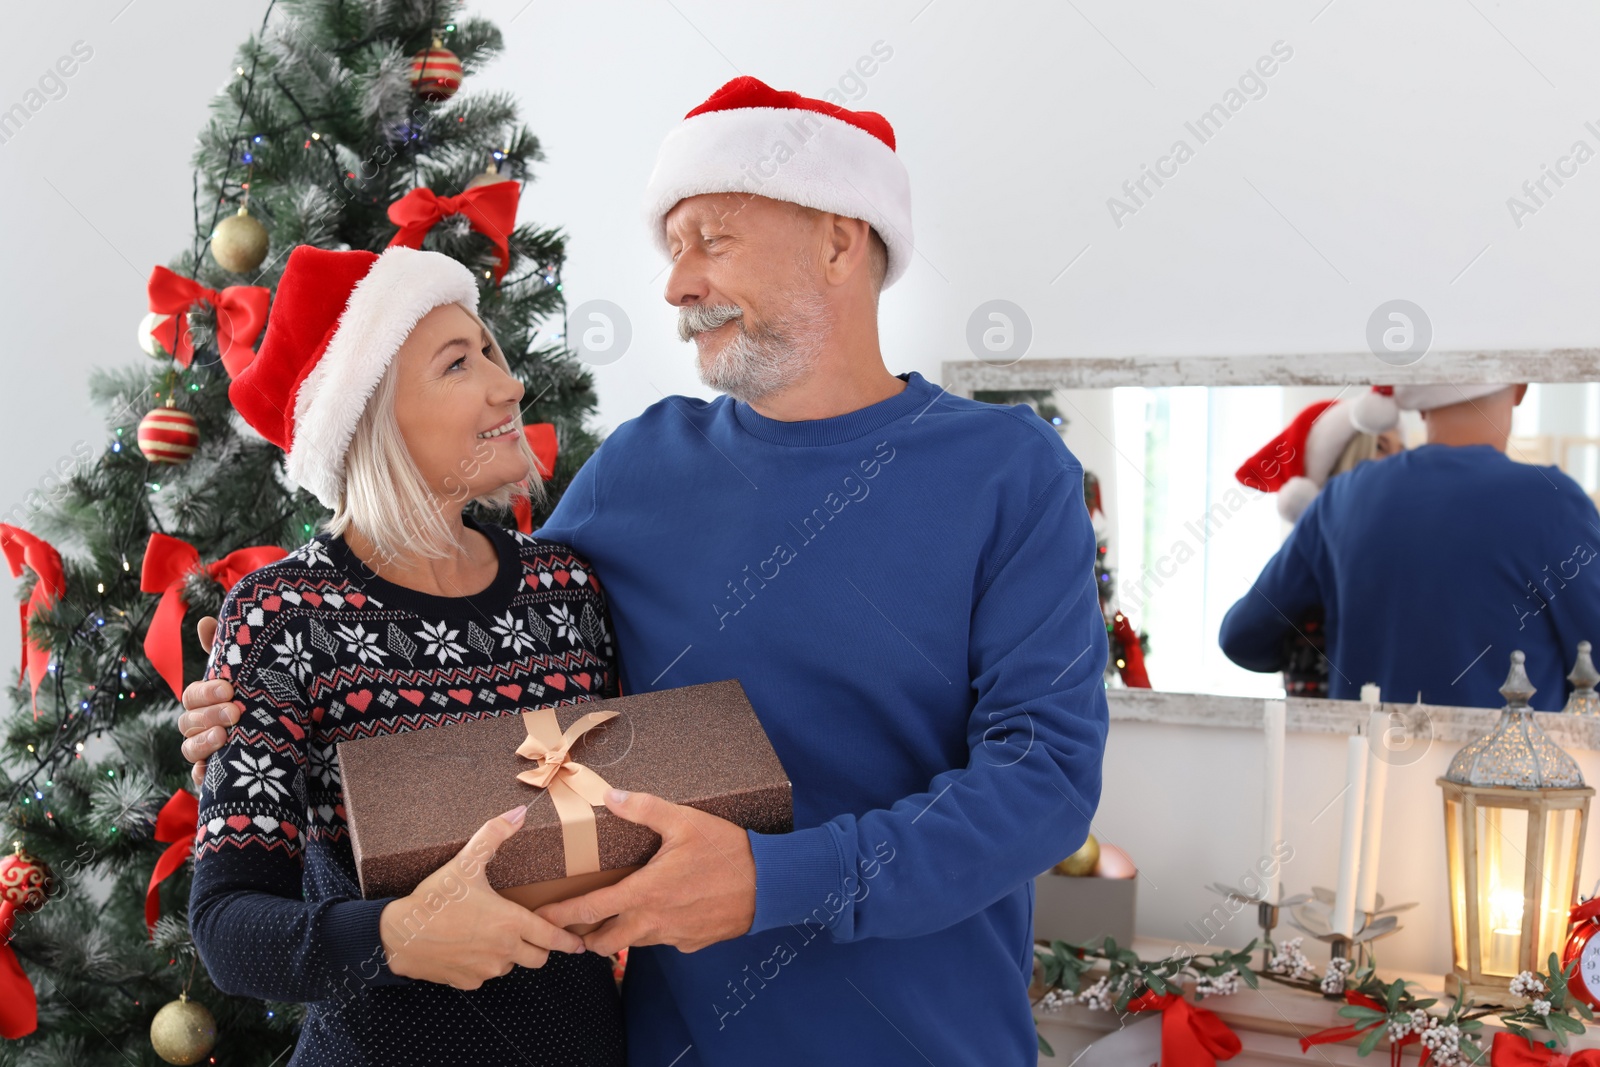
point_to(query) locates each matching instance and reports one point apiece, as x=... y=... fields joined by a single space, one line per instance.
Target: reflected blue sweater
x=1433 y=566
x=906 y=593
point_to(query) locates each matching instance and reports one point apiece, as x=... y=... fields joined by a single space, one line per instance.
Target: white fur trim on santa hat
x=1295 y=496
x=804 y=157
x=1428 y=397
x=1325 y=441
x=403 y=285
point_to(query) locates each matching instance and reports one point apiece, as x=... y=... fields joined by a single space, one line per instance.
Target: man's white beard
x=755 y=363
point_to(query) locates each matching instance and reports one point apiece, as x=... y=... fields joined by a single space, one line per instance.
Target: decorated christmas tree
x=342 y=127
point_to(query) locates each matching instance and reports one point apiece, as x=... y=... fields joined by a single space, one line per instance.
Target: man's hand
x=700 y=888
x=209 y=709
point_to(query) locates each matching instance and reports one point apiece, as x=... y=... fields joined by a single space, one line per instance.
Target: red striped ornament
x=168 y=435
x=435 y=72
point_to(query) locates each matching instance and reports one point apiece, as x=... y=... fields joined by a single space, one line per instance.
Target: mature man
x=1434 y=565
x=902 y=580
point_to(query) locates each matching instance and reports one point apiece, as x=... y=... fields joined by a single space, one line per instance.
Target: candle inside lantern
x=1505 y=930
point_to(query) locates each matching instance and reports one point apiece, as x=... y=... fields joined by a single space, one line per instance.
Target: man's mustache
x=698 y=318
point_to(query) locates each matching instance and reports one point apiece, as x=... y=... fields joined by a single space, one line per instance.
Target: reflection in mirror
x=1183 y=541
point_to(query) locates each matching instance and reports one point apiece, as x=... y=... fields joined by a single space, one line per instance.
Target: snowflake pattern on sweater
x=320 y=650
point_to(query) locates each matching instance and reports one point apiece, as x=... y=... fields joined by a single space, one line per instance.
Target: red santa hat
x=1297 y=462
x=337 y=320
x=750 y=138
x=1380 y=409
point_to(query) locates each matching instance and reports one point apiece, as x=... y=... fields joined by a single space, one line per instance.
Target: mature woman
x=396 y=408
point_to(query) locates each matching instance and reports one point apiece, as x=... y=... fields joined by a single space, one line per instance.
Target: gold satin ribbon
x=576 y=789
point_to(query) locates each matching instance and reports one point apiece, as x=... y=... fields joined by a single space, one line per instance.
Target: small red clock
x=1583 y=946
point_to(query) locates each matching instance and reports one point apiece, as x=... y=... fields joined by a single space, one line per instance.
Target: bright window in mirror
x=1185 y=538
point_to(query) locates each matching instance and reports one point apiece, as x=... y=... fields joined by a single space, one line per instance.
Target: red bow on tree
x=490 y=209
x=542 y=439
x=1509 y=1050
x=168 y=562
x=175 y=827
x=241 y=313
x=1191 y=1036
x=22 y=547
x=1344 y=1033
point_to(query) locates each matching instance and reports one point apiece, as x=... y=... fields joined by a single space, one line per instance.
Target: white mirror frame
x=1424 y=723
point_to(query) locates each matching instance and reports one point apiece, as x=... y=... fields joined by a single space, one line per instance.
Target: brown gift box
x=413 y=800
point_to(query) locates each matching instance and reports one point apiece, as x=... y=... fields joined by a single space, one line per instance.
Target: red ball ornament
x=435 y=72
x=25 y=881
x=168 y=435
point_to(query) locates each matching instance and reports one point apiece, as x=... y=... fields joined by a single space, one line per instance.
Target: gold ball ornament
x=1082 y=862
x=168 y=435
x=183 y=1031
x=435 y=72
x=239 y=243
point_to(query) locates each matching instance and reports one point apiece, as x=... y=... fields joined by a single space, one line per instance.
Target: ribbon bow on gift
x=1509 y=1050
x=168 y=562
x=241 y=313
x=1191 y=1036
x=490 y=209
x=175 y=827
x=1344 y=1033
x=23 y=548
x=575 y=789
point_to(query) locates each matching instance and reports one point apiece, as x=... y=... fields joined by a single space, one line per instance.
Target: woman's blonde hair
x=384 y=496
x=1359 y=449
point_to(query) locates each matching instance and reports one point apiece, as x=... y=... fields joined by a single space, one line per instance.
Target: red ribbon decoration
x=241 y=314
x=176 y=824
x=542 y=439
x=490 y=209
x=22 y=547
x=1191 y=1036
x=168 y=561
x=1509 y=1050
x=1345 y=1033
x=19 y=1004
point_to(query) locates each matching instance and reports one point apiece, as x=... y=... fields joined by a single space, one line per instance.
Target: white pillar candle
x=1355 y=795
x=1369 y=693
x=1276 y=716
x=1372 y=812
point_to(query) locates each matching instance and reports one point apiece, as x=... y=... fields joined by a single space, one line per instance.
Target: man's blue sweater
x=906 y=592
x=1433 y=566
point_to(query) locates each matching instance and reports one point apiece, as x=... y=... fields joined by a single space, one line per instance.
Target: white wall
x=1377 y=165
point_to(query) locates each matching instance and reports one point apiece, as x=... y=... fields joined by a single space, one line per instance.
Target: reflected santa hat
x=1379 y=410
x=751 y=138
x=1297 y=462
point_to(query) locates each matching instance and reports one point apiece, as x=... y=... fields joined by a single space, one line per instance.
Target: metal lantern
x=1584 y=700
x=1515 y=813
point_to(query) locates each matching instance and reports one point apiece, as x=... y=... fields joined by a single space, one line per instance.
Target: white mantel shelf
x=1421 y=721
x=1269 y=1021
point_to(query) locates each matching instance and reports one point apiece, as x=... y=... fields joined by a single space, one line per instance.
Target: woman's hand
x=209 y=709
x=455 y=930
